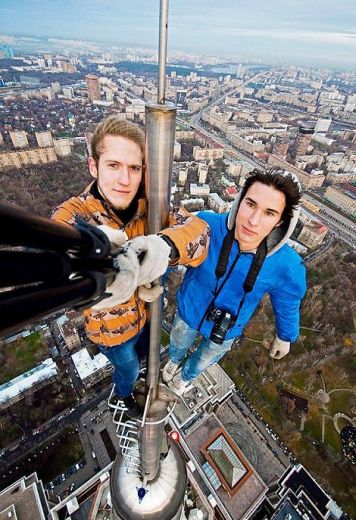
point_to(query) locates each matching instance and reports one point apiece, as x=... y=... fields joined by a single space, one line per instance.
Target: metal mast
x=158 y=491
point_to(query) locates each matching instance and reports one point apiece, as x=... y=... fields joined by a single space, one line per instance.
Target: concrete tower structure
x=302 y=141
x=203 y=172
x=93 y=87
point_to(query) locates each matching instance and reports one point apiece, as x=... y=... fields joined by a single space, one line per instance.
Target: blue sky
x=301 y=31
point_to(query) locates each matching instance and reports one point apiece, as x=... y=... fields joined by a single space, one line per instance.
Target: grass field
x=325 y=461
x=62 y=455
x=21 y=355
x=49 y=459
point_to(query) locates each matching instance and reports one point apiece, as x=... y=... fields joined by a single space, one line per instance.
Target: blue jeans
x=126 y=361
x=207 y=353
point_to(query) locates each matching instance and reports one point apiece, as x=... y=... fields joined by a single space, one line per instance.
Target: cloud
x=313 y=36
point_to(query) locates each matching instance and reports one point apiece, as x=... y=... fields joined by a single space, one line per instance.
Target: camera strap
x=224 y=254
x=221 y=266
x=256 y=265
x=254 y=270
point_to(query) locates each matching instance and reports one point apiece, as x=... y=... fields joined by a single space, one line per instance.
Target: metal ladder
x=127 y=433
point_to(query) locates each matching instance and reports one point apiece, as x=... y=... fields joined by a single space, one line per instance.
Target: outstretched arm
x=286 y=298
x=190 y=236
x=145 y=258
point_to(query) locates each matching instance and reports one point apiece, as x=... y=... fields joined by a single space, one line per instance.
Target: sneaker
x=179 y=386
x=132 y=408
x=169 y=370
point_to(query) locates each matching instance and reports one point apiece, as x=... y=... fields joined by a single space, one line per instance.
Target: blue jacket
x=282 y=276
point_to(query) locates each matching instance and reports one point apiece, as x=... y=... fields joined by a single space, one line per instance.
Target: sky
x=310 y=32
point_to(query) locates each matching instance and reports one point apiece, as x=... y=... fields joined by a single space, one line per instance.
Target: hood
x=279 y=235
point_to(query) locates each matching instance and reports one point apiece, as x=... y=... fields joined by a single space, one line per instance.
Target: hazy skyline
x=319 y=32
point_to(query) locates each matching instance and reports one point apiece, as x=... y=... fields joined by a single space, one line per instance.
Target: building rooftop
x=24 y=499
x=249 y=488
x=87 y=365
x=231 y=468
x=211 y=387
x=23 y=382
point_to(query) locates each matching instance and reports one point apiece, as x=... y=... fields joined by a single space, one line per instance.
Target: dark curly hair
x=280 y=180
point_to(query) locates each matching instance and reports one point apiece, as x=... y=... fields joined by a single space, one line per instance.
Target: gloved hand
x=117 y=237
x=125 y=282
x=139 y=262
x=149 y=294
x=153 y=253
x=279 y=348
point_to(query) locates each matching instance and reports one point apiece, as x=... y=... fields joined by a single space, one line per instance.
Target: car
x=71 y=487
x=93 y=454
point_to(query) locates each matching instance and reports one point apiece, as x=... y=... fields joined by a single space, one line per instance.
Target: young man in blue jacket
x=248 y=257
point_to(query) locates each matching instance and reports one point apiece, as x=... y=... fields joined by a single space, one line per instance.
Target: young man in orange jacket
x=115 y=201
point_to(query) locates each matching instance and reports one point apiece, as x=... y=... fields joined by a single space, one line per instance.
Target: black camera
x=223 y=321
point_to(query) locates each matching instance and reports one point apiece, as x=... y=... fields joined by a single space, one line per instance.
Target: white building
x=217 y=203
x=12 y=391
x=19 y=139
x=182 y=176
x=68 y=92
x=44 y=139
x=203 y=172
x=90 y=370
x=24 y=498
x=199 y=190
x=63 y=147
x=322 y=125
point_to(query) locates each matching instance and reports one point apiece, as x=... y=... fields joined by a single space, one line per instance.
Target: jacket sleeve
x=190 y=236
x=286 y=298
x=67 y=211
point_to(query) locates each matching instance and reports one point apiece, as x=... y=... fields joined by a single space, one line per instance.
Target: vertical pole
x=164 y=498
x=160 y=133
x=162 y=51
x=160 y=129
x=160 y=121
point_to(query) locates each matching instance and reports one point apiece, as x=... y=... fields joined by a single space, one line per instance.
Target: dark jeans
x=126 y=359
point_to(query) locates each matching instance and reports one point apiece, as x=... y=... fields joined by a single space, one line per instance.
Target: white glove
x=279 y=348
x=149 y=294
x=125 y=282
x=132 y=272
x=155 y=257
x=117 y=237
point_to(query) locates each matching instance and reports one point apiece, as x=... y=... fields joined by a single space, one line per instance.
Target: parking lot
x=91 y=424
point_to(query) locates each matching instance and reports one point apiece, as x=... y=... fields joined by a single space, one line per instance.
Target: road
x=234 y=153
x=344 y=228
x=54 y=427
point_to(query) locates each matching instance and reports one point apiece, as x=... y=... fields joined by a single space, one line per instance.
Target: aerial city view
x=184 y=349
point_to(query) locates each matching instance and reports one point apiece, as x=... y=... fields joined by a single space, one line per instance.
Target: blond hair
x=112 y=125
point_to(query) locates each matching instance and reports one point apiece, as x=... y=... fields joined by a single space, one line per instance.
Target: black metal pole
x=28 y=305
x=25 y=267
x=19 y=227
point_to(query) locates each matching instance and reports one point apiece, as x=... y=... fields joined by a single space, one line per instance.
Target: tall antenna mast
x=157 y=489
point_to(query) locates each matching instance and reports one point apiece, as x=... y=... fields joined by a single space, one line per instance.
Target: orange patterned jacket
x=189 y=234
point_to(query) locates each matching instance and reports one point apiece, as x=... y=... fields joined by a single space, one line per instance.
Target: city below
x=262 y=439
